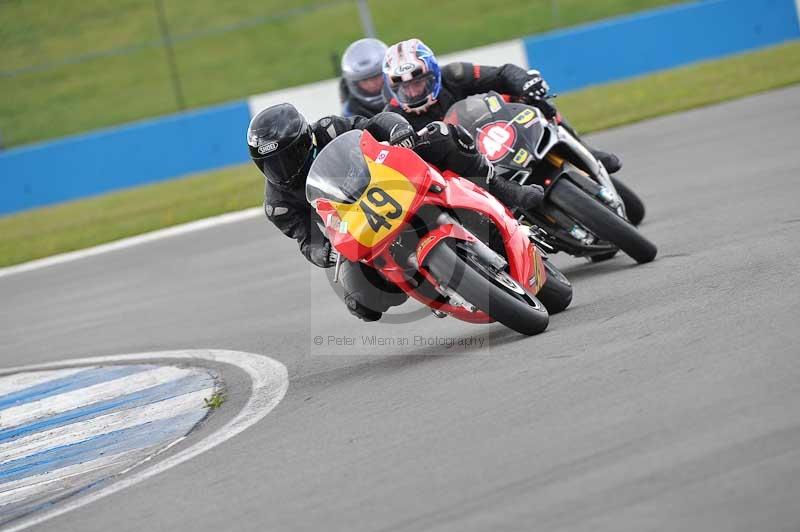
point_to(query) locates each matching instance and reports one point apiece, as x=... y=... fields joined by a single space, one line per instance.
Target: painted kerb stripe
x=133 y=434
x=269 y=382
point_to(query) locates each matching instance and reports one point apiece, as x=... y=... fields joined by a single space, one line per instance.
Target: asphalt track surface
x=666 y=398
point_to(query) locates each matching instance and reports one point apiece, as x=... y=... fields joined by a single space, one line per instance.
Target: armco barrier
x=134 y=154
x=659 y=39
x=180 y=144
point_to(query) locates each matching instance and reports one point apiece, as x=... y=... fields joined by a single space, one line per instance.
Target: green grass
x=292 y=49
x=215 y=401
x=684 y=88
x=87 y=222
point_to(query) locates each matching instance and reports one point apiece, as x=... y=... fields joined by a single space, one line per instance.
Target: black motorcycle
x=586 y=213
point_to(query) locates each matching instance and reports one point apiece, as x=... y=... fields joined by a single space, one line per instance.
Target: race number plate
x=496 y=139
x=381 y=208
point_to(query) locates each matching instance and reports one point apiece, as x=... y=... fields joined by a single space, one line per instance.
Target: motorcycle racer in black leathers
x=283 y=146
x=361 y=88
x=422 y=92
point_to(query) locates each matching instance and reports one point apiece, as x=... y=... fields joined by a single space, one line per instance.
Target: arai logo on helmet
x=265 y=147
x=408 y=67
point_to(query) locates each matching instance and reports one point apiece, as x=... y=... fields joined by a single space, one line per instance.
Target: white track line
x=55 y=404
x=269 y=382
x=176 y=230
x=84 y=430
x=55 y=480
x=19 y=382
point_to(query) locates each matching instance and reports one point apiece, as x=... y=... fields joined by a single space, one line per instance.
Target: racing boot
x=360 y=311
x=512 y=194
x=612 y=163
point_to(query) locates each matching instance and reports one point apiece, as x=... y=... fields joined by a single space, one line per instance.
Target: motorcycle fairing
x=517 y=244
x=361 y=229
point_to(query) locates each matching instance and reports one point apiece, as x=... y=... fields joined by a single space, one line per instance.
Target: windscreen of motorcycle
x=340 y=172
x=471 y=110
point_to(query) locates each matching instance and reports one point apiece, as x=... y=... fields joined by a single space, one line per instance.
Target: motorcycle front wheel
x=604 y=223
x=493 y=292
x=556 y=294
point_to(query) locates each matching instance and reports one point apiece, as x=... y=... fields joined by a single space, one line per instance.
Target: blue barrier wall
x=135 y=154
x=655 y=40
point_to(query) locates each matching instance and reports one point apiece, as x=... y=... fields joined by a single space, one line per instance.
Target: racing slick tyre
x=556 y=294
x=604 y=257
x=634 y=207
x=495 y=293
x=603 y=222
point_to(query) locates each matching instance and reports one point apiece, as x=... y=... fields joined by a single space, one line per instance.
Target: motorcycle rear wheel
x=604 y=223
x=496 y=294
x=634 y=206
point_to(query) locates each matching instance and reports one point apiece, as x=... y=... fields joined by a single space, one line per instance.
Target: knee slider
x=360 y=311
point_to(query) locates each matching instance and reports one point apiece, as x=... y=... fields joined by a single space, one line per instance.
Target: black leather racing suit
x=460 y=80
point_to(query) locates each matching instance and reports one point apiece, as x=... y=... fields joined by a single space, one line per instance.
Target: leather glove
x=548 y=110
x=535 y=87
x=464 y=141
x=451 y=147
x=443 y=134
x=403 y=135
x=323 y=255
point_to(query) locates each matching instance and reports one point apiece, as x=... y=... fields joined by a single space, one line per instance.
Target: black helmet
x=363 y=61
x=281 y=145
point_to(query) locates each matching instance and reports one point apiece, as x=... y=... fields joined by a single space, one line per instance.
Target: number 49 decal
x=380 y=198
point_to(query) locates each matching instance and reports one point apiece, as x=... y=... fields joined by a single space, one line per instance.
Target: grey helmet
x=363 y=60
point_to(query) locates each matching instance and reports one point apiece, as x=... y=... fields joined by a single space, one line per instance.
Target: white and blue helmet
x=412 y=75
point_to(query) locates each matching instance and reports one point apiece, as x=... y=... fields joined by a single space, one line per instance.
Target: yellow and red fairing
x=524 y=259
x=397 y=171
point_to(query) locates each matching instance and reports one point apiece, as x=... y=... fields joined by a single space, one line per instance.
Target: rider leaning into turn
x=422 y=92
x=361 y=87
x=283 y=146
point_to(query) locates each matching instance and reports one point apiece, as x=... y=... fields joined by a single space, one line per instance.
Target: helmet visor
x=414 y=91
x=283 y=167
x=368 y=87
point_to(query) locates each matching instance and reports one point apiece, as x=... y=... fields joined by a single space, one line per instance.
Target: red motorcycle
x=440 y=238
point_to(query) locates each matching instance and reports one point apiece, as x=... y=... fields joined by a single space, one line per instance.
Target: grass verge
x=224 y=49
x=83 y=223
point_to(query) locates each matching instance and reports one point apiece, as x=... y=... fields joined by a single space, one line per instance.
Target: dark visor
x=283 y=166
